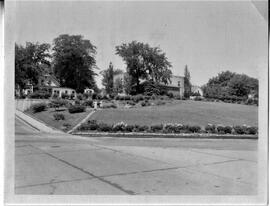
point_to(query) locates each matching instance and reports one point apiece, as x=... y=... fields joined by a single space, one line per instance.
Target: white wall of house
x=62 y=90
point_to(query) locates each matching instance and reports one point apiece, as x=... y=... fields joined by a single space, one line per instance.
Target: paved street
x=65 y=164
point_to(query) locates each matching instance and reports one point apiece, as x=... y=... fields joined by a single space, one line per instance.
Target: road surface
x=61 y=164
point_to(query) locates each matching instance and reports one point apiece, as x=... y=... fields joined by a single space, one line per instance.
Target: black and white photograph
x=136 y=102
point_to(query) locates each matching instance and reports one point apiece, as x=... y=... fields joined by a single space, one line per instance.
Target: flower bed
x=93 y=125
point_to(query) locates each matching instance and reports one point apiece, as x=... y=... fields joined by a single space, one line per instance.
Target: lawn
x=184 y=112
x=71 y=119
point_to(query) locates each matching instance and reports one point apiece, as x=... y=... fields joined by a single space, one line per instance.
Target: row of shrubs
x=93 y=125
x=234 y=99
x=39 y=107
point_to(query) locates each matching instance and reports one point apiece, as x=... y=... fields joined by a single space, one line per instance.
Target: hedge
x=39 y=107
x=76 y=109
x=168 y=128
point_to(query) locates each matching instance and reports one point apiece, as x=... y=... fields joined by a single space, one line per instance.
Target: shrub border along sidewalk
x=163 y=135
x=93 y=128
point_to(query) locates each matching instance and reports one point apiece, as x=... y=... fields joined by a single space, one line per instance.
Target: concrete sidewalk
x=37 y=124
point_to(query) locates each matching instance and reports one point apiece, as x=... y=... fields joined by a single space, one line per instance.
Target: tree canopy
x=74 y=61
x=31 y=61
x=229 y=84
x=145 y=62
x=187 y=83
x=107 y=79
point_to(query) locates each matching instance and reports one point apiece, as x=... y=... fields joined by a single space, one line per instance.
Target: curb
x=162 y=135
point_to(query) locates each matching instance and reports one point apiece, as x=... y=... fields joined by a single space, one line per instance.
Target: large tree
x=74 y=62
x=228 y=84
x=144 y=62
x=31 y=61
x=107 y=79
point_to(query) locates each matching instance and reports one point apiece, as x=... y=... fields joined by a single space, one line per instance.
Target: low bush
x=156 y=128
x=129 y=128
x=88 y=103
x=145 y=103
x=138 y=98
x=140 y=128
x=132 y=103
x=58 y=116
x=194 y=129
x=39 y=107
x=102 y=127
x=76 y=109
x=170 y=95
x=55 y=103
x=224 y=129
x=240 y=129
x=121 y=126
x=167 y=128
x=252 y=130
x=210 y=128
x=198 y=98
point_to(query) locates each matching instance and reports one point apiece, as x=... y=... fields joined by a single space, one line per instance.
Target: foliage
x=252 y=130
x=187 y=84
x=118 y=86
x=230 y=87
x=194 y=129
x=39 y=95
x=127 y=83
x=74 y=61
x=121 y=126
x=88 y=103
x=55 y=103
x=240 y=129
x=39 y=107
x=58 y=116
x=79 y=96
x=138 y=98
x=31 y=62
x=107 y=79
x=210 y=128
x=156 y=128
x=102 y=127
x=76 y=109
x=145 y=103
x=171 y=95
x=144 y=62
x=151 y=88
x=224 y=129
x=168 y=128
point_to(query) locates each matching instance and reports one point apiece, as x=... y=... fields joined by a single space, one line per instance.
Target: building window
x=66 y=91
x=178 y=83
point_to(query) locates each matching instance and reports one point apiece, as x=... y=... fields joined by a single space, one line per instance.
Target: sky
x=209 y=37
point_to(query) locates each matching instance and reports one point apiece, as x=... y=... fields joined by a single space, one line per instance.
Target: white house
x=63 y=90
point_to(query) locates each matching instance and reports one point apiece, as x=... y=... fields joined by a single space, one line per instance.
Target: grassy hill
x=184 y=112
